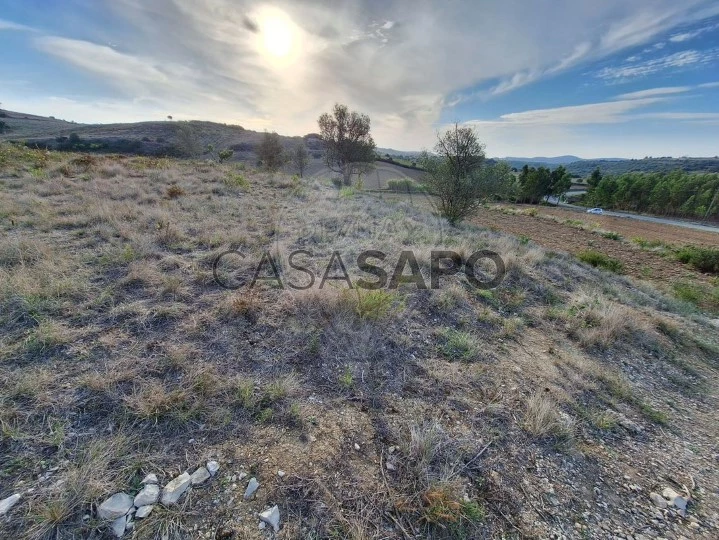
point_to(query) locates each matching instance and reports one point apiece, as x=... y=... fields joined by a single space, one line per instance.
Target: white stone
x=199 y=476
x=213 y=467
x=175 y=488
x=271 y=516
x=658 y=500
x=150 y=479
x=7 y=504
x=357 y=447
x=118 y=527
x=281 y=473
x=114 y=507
x=144 y=511
x=148 y=495
x=251 y=487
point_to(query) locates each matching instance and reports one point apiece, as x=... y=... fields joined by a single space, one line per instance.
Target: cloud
x=652 y=92
x=678 y=60
x=686 y=36
x=9 y=25
x=206 y=58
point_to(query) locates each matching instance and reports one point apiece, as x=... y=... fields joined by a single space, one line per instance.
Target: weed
x=174 y=191
x=459 y=345
x=600 y=260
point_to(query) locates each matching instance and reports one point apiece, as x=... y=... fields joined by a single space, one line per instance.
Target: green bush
x=404 y=185
x=703 y=259
x=600 y=260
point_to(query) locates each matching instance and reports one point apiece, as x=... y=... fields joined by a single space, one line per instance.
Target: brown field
x=550 y=406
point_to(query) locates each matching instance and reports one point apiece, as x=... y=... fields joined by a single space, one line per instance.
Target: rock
x=175 y=488
x=390 y=466
x=199 y=476
x=242 y=476
x=118 y=526
x=251 y=487
x=213 y=467
x=658 y=500
x=271 y=516
x=114 y=507
x=150 y=479
x=144 y=511
x=680 y=502
x=357 y=447
x=392 y=449
x=280 y=473
x=7 y=504
x=148 y=495
x=669 y=494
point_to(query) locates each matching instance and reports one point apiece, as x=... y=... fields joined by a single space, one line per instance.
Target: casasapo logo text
x=301 y=270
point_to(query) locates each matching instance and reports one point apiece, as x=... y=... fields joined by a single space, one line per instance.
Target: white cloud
x=652 y=92
x=682 y=59
x=205 y=58
x=9 y=25
x=686 y=36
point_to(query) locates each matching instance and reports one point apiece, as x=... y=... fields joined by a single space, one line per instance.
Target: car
x=597 y=211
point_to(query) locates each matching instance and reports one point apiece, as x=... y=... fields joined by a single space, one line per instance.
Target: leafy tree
x=561 y=182
x=349 y=147
x=454 y=174
x=270 y=152
x=595 y=178
x=300 y=159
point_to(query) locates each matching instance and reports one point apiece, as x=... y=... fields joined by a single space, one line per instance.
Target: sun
x=277 y=35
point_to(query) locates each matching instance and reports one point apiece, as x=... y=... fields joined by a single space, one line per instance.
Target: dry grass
x=111 y=324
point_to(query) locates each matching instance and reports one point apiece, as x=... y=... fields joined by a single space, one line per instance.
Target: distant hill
x=144 y=138
x=558 y=160
x=662 y=164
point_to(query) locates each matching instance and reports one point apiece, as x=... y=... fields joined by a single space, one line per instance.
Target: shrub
x=225 y=154
x=703 y=259
x=459 y=345
x=404 y=185
x=236 y=180
x=173 y=192
x=600 y=260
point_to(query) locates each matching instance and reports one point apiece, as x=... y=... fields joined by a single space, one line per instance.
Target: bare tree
x=300 y=159
x=270 y=152
x=453 y=174
x=349 y=147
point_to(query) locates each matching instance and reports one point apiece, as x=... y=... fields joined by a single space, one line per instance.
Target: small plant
x=347 y=192
x=236 y=180
x=459 y=345
x=404 y=185
x=224 y=155
x=611 y=235
x=600 y=260
x=346 y=379
x=175 y=191
x=374 y=304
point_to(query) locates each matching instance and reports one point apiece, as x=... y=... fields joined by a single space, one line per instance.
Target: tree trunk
x=347 y=175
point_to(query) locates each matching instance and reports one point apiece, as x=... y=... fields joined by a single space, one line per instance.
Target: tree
x=561 y=182
x=595 y=178
x=3 y=126
x=300 y=159
x=270 y=152
x=349 y=147
x=454 y=174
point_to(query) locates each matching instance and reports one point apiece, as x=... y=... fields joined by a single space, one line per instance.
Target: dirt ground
x=647 y=264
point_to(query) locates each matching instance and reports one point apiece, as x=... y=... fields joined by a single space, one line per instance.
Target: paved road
x=651 y=219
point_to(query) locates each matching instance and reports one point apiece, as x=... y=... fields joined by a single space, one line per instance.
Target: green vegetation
x=703 y=259
x=459 y=345
x=270 y=154
x=536 y=184
x=404 y=185
x=600 y=260
x=674 y=193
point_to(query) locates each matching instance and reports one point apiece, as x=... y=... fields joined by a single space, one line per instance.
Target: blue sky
x=548 y=77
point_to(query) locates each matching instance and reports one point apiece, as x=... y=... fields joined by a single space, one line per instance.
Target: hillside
x=584 y=168
x=567 y=401
x=143 y=138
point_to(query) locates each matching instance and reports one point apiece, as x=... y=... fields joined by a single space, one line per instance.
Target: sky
x=541 y=78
